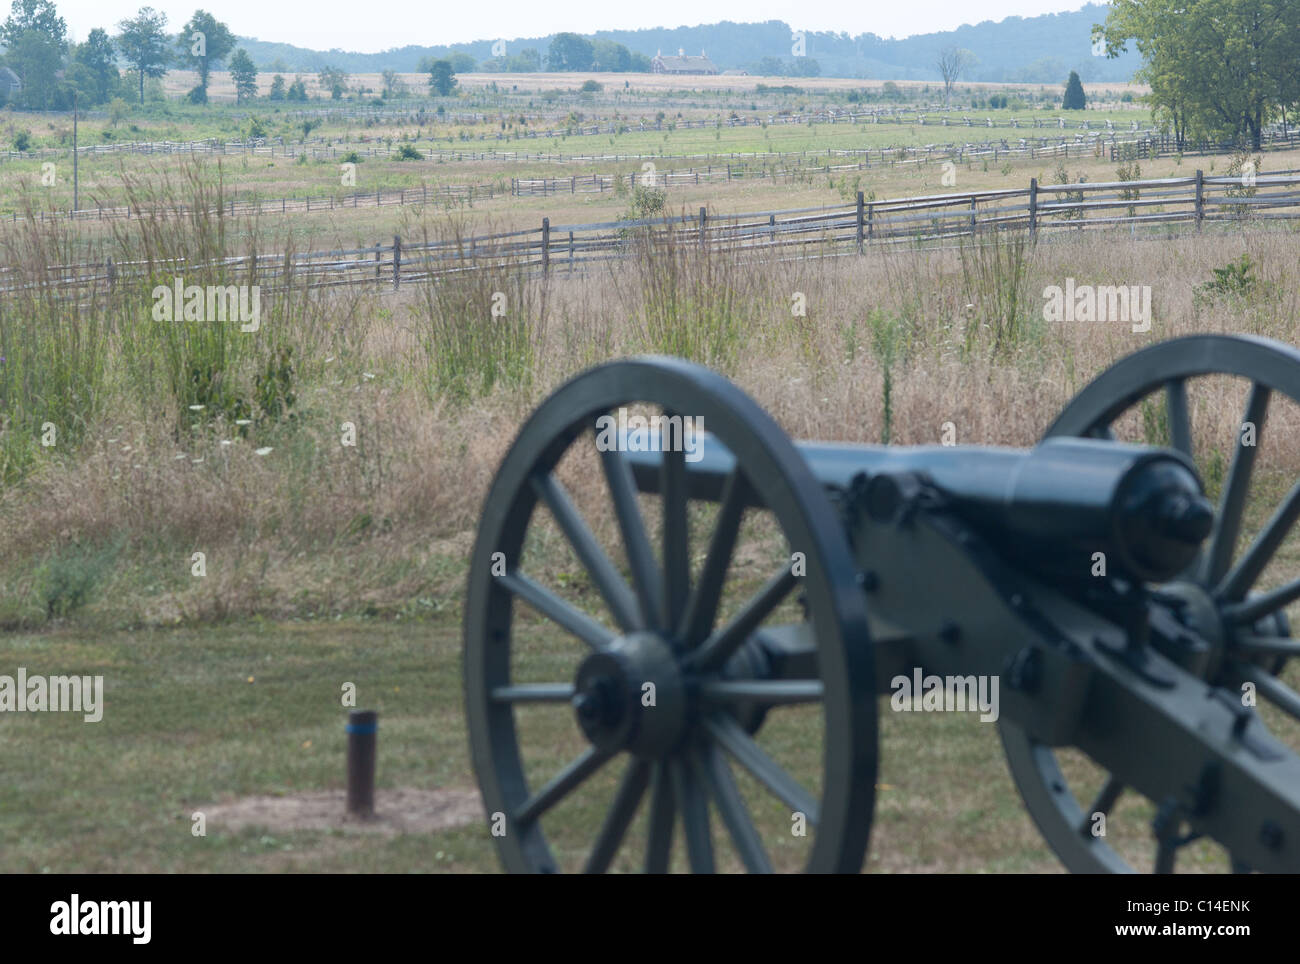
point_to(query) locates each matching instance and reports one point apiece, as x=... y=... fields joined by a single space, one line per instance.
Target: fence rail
x=806 y=232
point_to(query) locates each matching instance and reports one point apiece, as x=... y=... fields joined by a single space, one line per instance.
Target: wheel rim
x=1251 y=629
x=668 y=632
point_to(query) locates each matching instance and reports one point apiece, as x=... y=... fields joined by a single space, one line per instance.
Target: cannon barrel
x=1054 y=506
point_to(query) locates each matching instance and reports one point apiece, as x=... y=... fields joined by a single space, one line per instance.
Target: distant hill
x=1040 y=49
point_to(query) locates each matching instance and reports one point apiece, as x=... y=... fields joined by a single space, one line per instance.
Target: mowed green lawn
x=198 y=716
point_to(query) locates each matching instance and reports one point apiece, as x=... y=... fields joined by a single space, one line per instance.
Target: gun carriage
x=1114 y=601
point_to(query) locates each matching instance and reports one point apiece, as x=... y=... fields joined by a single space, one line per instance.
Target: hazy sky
x=371 y=27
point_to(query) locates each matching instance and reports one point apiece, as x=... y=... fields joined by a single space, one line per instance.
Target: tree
x=770 y=67
x=1216 y=68
x=36 y=58
x=143 y=42
x=36 y=38
x=461 y=62
x=806 y=67
x=203 y=44
x=442 y=78
x=38 y=15
x=297 y=90
x=568 y=51
x=244 y=73
x=93 y=71
x=335 y=80
x=277 y=88
x=527 y=61
x=1074 y=97
x=394 y=86
x=952 y=63
x=610 y=55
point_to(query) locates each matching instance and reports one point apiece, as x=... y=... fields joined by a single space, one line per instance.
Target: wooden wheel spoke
x=557 y=610
x=630 y=791
x=1254 y=609
x=719 y=647
x=1252 y=645
x=609 y=582
x=762 y=767
x=533 y=693
x=676 y=535
x=1232 y=503
x=1246 y=572
x=1277 y=693
x=659 y=841
x=732 y=809
x=694 y=807
x=561 y=785
x=702 y=609
x=1180 y=420
x=636 y=543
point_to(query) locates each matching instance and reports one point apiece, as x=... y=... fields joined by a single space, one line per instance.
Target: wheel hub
x=632 y=696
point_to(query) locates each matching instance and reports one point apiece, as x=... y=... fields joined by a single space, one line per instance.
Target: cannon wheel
x=680 y=753
x=1257 y=633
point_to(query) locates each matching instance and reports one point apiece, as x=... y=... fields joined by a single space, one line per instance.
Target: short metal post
x=362 y=730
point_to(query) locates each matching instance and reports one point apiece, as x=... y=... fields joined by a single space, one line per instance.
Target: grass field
x=327 y=471
x=195 y=717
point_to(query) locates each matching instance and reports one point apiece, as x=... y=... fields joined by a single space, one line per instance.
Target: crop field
x=236 y=526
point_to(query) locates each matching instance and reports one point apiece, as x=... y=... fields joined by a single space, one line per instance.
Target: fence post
x=870 y=221
x=378 y=258
x=1200 y=198
x=771 y=226
x=972 y=217
x=861 y=220
x=397 y=262
x=703 y=219
x=112 y=273
x=546 y=246
x=1033 y=206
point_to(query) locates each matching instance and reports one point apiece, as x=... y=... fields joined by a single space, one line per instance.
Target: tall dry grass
x=890 y=345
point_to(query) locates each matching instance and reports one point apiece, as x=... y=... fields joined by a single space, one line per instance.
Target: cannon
x=695 y=682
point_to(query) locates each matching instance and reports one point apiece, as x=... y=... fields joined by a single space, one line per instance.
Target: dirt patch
x=396 y=811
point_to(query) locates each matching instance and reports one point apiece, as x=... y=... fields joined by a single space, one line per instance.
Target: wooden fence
x=1190 y=201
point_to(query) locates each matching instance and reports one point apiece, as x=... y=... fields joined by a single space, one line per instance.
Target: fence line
x=804 y=232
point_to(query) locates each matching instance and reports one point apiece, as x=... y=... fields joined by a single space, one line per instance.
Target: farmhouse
x=682 y=64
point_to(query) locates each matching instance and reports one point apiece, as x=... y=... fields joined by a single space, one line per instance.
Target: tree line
x=52 y=70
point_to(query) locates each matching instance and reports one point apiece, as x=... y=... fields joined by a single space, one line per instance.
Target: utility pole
x=74 y=153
